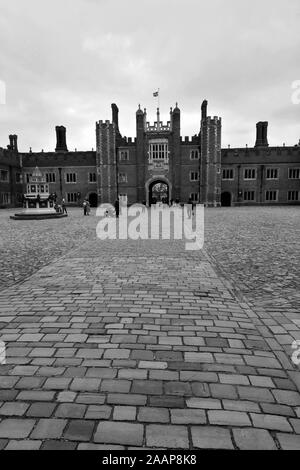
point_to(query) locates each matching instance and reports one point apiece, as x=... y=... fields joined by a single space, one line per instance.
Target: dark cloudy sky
x=65 y=61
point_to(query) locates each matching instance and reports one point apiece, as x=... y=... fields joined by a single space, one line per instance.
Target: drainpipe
x=261 y=183
x=238 y=188
x=60 y=182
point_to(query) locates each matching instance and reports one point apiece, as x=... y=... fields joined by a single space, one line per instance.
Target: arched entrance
x=226 y=199
x=158 y=192
x=93 y=199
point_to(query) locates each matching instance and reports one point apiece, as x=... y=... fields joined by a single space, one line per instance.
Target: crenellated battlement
x=190 y=140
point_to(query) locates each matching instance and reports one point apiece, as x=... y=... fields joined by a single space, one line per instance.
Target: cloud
x=66 y=62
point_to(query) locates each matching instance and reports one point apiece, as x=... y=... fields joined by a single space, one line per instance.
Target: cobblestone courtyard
x=122 y=344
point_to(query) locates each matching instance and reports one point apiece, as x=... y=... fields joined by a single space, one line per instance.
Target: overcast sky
x=65 y=61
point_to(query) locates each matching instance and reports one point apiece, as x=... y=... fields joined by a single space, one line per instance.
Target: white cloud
x=65 y=62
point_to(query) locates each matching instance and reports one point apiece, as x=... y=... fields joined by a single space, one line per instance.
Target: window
x=5 y=198
x=249 y=195
x=92 y=178
x=122 y=178
x=71 y=197
x=272 y=173
x=194 y=197
x=27 y=177
x=50 y=177
x=4 y=176
x=227 y=174
x=293 y=196
x=194 y=176
x=71 y=178
x=18 y=178
x=194 y=155
x=271 y=196
x=249 y=173
x=158 y=151
x=123 y=155
x=294 y=173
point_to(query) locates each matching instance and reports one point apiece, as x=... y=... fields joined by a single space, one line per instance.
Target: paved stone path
x=144 y=345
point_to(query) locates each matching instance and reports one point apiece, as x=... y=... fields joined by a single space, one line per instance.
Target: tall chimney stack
x=11 y=142
x=204 y=110
x=115 y=115
x=61 y=143
x=262 y=134
x=15 y=142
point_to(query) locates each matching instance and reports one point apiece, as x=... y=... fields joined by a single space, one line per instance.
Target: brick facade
x=194 y=167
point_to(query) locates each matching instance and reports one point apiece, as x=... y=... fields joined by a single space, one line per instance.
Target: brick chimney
x=115 y=115
x=13 y=143
x=204 y=110
x=61 y=144
x=262 y=134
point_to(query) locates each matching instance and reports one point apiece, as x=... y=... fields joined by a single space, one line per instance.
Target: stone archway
x=226 y=199
x=158 y=189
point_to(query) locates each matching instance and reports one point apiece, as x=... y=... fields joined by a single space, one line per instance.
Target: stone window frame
x=194 y=199
x=2 y=172
x=271 y=169
x=292 y=199
x=154 y=153
x=248 y=193
x=70 y=182
x=268 y=192
x=73 y=199
x=5 y=200
x=192 y=154
x=27 y=177
x=250 y=178
x=122 y=154
x=196 y=173
x=49 y=177
x=291 y=170
x=228 y=178
x=92 y=180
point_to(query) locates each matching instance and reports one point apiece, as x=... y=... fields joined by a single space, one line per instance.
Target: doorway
x=226 y=199
x=93 y=200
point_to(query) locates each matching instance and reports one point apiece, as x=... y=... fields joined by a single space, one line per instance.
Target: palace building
x=158 y=164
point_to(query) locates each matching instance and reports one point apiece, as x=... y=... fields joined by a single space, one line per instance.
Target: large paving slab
x=122 y=344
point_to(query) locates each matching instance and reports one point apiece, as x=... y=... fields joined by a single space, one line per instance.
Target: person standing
x=63 y=205
x=88 y=208
x=117 y=208
x=84 y=205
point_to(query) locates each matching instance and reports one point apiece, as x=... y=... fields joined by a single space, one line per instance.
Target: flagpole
x=158 y=98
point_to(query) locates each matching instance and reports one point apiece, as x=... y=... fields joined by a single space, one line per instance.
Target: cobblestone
x=166 y=348
x=253 y=439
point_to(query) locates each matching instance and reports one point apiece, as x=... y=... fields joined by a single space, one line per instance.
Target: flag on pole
x=155 y=94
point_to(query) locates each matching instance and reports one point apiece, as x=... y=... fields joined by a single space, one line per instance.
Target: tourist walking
x=84 y=205
x=63 y=206
x=88 y=208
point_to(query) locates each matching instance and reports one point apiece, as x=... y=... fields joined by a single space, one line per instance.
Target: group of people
x=61 y=207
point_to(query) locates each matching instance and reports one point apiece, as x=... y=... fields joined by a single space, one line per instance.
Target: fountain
x=39 y=203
